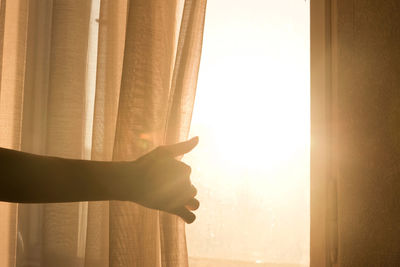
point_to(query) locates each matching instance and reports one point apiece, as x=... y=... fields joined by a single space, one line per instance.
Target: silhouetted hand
x=163 y=183
x=156 y=180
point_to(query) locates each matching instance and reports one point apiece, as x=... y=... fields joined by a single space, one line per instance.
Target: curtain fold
x=147 y=59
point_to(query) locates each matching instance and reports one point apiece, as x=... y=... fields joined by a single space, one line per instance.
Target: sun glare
x=252 y=116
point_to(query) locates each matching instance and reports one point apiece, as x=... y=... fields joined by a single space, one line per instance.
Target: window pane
x=252 y=115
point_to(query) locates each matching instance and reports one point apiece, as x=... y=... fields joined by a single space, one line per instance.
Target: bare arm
x=156 y=180
x=29 y=178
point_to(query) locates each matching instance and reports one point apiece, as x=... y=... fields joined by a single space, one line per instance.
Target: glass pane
x=252 y=115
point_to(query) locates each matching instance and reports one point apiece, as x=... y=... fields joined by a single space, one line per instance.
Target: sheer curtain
x=102 y=80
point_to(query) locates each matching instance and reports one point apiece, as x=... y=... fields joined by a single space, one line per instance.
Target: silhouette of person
x=156 y=180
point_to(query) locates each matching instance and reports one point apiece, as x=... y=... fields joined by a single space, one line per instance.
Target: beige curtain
x=102 y=80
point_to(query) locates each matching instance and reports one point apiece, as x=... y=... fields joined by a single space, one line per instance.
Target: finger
x=181 y=198
x=193 y=191
x=192 y=204
x=181 y=148
x=182 y=169
x=189 y=193
x=185 y=214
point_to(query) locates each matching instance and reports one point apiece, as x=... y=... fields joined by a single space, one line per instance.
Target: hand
x=163 y=183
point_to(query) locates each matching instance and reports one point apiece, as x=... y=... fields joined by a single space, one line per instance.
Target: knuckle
x=190 y=190
x=193 y=191
x=186 y=169
x=182 y=169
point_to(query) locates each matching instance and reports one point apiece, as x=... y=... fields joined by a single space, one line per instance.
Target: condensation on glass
x=252 y=115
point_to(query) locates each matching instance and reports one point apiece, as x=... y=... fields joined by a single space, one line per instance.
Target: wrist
x=122 y=182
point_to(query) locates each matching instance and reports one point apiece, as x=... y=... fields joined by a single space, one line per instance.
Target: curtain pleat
x=12 y=73
x=65 y=124
x=142 y=108
x=2 y=23
x=112 y=26
x=147 y=61
x=179 y=114
x=14 y=21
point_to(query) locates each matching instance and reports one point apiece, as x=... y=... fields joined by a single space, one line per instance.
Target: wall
x=366 y=130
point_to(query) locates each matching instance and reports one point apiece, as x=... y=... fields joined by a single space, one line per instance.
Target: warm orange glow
x=252 y=116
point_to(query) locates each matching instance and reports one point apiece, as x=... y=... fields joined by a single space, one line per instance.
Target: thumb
x=182 y=148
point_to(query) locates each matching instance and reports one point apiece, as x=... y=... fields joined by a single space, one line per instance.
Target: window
x=252 y=114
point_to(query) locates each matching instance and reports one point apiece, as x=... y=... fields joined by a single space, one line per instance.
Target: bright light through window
x=252 y=115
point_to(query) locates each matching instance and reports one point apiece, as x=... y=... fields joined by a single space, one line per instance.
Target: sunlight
x=252 y=115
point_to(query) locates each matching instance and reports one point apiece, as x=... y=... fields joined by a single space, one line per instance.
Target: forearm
x=29 y=178
x=156 y=180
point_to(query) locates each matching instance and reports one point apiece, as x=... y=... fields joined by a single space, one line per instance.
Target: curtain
x=355 y=115
x=365 y=213
x=101 y=80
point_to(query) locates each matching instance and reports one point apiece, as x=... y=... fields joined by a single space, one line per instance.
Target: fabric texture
x=101 y=80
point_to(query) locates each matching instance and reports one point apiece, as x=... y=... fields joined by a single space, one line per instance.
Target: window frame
x=323 y=252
